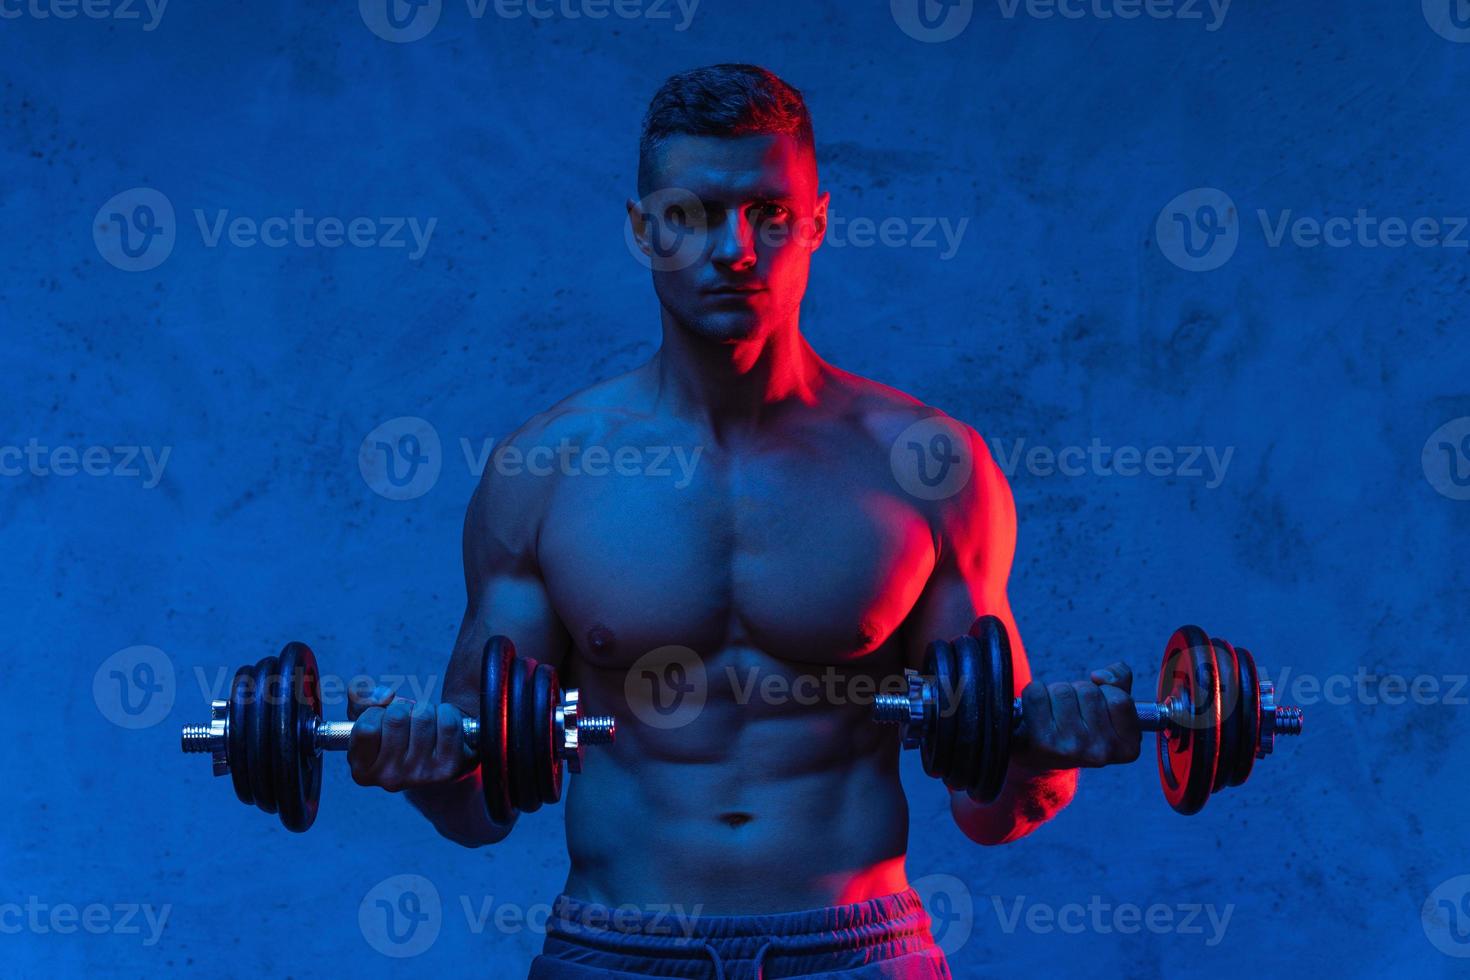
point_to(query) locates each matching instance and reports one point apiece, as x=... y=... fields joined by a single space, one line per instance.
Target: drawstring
x=759 y=963
x=715 y=958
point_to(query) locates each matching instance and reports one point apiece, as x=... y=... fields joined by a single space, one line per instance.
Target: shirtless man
x=795 y=549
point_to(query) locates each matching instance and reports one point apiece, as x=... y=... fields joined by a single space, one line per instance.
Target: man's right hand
x=398 y=744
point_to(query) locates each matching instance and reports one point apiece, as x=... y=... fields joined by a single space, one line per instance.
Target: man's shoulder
x=582 y=415
x=942 y=461
x=890 y=414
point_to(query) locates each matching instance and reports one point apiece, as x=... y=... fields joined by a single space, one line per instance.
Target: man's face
x=729 y=227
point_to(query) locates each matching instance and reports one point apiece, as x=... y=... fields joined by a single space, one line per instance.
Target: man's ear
x=639 y=225
x=819 y=220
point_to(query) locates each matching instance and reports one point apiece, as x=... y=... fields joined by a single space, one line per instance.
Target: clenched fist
x=398 y=744
x=1084 y=724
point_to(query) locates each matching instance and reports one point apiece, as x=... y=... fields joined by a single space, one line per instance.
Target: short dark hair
x=721 y=100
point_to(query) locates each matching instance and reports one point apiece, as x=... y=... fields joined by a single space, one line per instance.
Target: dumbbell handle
x=1157 y=716
x=576 y=730
x=913 y=711
x=336 y=736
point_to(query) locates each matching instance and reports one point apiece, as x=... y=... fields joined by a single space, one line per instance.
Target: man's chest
x=813 y=555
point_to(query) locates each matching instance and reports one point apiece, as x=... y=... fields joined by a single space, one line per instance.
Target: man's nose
x=734 y=241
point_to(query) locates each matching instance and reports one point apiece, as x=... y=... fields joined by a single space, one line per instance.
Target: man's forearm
x=1028 y=800
x=457 y=811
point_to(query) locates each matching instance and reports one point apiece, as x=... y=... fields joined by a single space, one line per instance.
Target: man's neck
x=735 y=388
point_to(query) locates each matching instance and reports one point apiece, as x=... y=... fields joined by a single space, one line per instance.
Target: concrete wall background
x=1329 y=547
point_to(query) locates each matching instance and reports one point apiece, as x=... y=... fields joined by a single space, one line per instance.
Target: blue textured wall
x=1070 y=311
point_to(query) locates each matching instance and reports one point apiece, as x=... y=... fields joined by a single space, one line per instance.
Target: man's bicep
x=505 y=594
x=976 y=541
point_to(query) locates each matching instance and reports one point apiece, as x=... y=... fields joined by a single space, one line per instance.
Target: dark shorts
x=881 y=939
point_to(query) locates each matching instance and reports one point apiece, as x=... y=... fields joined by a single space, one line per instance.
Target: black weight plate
x=298 y=770
x=258 y=735
x=545 y=697
x=1250 y=731
x=998 y=695
x=494 y=772
x=242 y=689
x=1189 y=752
x=521 y=728
x=969 y=736
x=1230 y=711
x=936 y=749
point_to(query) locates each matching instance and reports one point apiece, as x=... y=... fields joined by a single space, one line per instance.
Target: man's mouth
x=734 y=291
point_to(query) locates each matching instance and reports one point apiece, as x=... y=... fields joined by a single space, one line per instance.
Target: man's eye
x=683 y=217
x=771 y=212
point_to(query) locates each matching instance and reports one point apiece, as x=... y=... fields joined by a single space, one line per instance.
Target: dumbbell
x=269 y=735
x=1214 y=715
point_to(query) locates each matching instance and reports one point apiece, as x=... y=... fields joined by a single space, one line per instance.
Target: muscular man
x=795 y=547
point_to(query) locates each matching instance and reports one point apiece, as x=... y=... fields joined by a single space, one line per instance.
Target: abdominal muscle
x=756 y=805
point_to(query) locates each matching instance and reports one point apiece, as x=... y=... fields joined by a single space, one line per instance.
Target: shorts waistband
x=886 y=919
